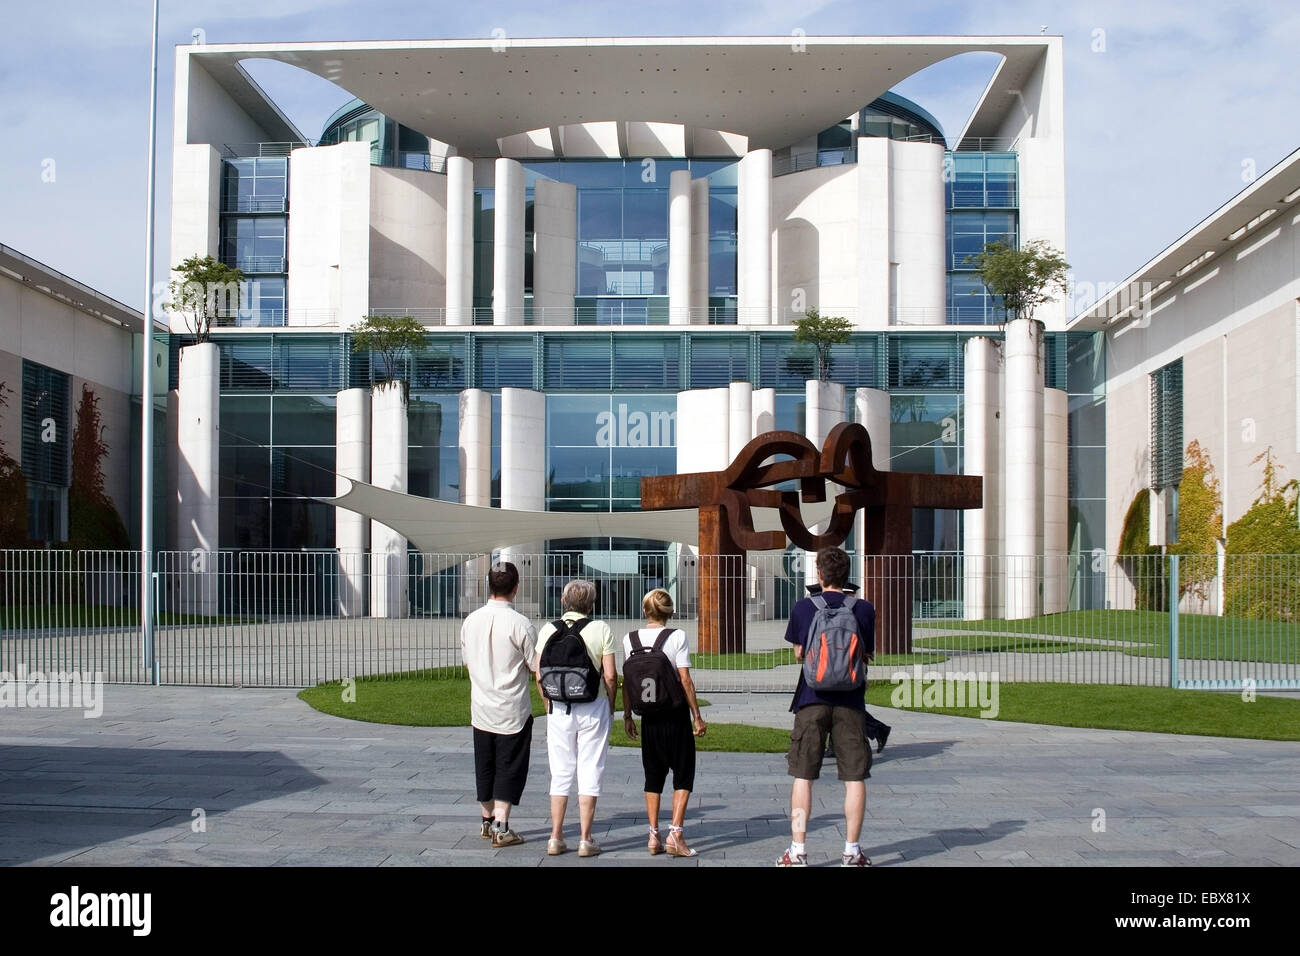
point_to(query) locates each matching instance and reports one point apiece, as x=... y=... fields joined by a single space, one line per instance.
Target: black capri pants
x=668 y=743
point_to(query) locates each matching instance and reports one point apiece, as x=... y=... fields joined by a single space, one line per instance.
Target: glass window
x=303 y=420
x=578 y=473
x=245 y=523
x=245 y=470
x=245 y=420
x=302 y=472
x=299 y=523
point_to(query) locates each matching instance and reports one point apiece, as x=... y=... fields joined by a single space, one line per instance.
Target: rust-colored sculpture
x=726 y=498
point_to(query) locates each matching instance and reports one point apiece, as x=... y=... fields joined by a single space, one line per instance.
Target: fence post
x=151 y=654
x=1173 y=621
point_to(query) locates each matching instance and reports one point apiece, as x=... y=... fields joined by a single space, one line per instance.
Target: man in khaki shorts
x=837 y=714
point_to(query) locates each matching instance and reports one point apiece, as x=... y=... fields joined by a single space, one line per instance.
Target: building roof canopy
x=773 y=90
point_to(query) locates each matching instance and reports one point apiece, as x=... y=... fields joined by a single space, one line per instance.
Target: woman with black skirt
x=667 y=738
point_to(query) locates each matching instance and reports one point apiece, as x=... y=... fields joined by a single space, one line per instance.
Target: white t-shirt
x=675 y=647
x=499 y=649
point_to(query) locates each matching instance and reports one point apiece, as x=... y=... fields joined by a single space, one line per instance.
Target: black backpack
x=651 y=683
x=568 y=676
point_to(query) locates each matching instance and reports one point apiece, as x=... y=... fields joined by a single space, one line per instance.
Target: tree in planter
x=1254 y=588
x=93 y=522
x=393 y=338
x=205 y=291
x=13 y=494
x=1025 y=278
x=821 y=332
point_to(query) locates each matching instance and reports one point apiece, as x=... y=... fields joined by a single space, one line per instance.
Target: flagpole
x=146 y=384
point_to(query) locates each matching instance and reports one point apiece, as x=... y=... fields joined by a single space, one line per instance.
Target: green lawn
x=444 y=702
x=764 y=660
x=97 y=615
x=1201 y=636
x=1000 y=642
x=1157 y=709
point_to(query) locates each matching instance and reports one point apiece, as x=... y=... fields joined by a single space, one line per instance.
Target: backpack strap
x=818 y=601
x=662 y=639
x=570 y=627
x=849 y=600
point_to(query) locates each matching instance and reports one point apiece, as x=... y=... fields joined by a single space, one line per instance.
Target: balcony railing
x=268 y=317
x=434 y=317
x=798 y=162
x=278 y=204
x=258 y=265
x=237 y=150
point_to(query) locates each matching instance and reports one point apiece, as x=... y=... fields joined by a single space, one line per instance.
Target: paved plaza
x=273 y=781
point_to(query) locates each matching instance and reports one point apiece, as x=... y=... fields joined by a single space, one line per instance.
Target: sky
x=1171 y=108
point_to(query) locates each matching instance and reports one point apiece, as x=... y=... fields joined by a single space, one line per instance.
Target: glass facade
x=983 y=200
x=254 y=234
x=622 y=244
x=46 y=451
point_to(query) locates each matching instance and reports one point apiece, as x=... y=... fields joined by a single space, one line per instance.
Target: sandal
x=655 y=846
x=674 y=847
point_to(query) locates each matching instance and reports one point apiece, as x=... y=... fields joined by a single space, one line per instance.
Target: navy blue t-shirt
x=801 y=618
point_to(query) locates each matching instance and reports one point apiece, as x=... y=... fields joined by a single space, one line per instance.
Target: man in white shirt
x=499 y=648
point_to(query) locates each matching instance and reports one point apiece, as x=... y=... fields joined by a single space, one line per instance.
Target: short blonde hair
x=657 y=605
x=578 y=595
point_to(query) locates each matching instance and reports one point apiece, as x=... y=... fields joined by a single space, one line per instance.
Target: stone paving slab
x=282 y=784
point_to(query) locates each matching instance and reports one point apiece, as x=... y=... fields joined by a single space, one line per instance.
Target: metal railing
x=300 y=618
x=268 y=317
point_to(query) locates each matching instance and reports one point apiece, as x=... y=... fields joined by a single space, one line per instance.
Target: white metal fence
x=300 y=618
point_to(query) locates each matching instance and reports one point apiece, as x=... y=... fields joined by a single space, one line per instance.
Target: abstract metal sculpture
x=726 y=500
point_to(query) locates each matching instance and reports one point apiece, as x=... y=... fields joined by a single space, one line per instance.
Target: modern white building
x=1202 y=344
x=61 y=341
x=608 y=241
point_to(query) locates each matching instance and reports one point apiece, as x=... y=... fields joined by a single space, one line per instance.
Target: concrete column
x=523 y=483
x=1023 y=431
x=329 y=234
x=508 y=245
x=388 y=456
x=699 y=251
x=982 y=402
x=741 y=418
x=173 y=465
x=703 y=429
x=555 y=251
x=475 y=440
x=460 y=241
x=196 y=198
x=351 y=530
x=917 y=234
x=754 y=238
x=703 y=444
x=824 y=404
x=763 y=410
x=875 y=229
x=198 y=439
x=871 y=410
x=1056 y=501
x=679 y=247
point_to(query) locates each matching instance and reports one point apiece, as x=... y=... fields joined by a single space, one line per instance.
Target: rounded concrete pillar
x=475 y=441
x=824 y=409
x=1023 y=494
x=763 y=410
x=919 y=232
x=508 y=245
x=523 y=483
x=1056 y=500
x=740 y=418
x=982 y=456
x=871 y=410
x=198 y=439
x=754 y=238
x=679 y=247
x=460 y=241
x=351 y=530
x=388 y=463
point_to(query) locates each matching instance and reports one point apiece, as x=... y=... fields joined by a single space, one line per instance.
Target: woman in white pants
x=577 y=734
